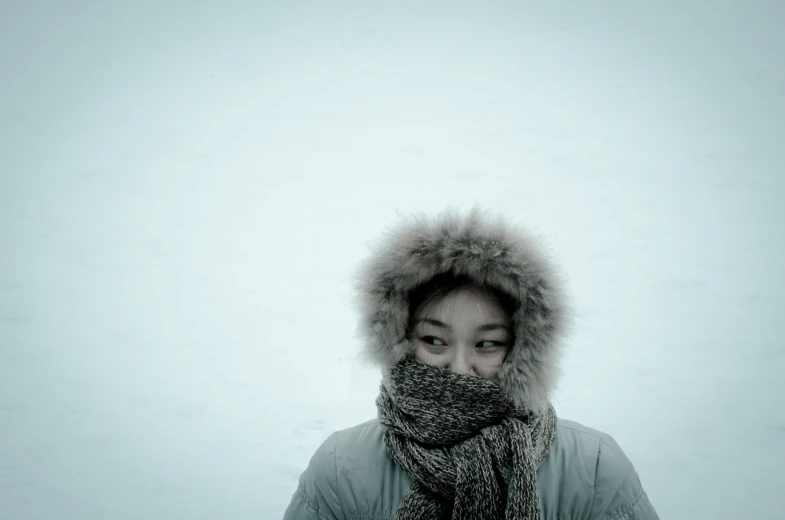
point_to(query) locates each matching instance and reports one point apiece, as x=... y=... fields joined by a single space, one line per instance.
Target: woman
x=463 y=316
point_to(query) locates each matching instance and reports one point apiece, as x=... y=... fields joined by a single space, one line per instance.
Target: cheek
x=426 y=356
x=491 y=364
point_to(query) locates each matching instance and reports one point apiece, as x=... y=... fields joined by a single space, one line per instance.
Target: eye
x=433 y=340
x=489 y=344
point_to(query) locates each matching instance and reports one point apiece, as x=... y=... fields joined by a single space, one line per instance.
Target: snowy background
x=186 y=188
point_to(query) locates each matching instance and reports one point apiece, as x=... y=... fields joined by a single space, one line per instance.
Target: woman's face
x=467 y=332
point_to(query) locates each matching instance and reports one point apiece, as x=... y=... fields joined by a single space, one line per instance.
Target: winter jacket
x=585 y=476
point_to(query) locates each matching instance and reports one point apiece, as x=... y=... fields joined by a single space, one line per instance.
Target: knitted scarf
x=470 y=453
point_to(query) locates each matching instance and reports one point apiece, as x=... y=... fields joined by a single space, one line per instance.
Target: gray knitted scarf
x=470 y=453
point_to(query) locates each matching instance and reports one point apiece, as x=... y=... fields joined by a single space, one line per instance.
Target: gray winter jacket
x=586 y=476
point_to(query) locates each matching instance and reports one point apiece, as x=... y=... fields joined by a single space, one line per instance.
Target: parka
x=585 y=475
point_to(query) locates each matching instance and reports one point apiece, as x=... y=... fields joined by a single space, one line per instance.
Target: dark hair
x=440 y=286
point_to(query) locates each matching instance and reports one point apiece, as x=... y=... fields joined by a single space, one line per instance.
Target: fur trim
x=489 y=250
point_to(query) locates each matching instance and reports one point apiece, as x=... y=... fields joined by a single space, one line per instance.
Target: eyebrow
x=481 y=328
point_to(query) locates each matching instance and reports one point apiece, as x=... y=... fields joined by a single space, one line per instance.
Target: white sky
x=186 y=187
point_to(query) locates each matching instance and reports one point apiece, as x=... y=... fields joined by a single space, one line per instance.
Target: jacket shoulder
x=316 y=497
x=593 y=474
x=618 y=493
x=371 y=483
x=344 y=476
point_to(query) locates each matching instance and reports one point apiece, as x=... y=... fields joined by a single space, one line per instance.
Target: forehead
x=468 y=303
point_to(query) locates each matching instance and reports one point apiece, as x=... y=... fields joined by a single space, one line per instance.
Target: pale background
x=186 y=188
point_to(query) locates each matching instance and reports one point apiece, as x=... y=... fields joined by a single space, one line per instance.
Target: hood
x=491 y=251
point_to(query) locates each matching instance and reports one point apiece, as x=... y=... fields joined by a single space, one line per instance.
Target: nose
x=461 y=363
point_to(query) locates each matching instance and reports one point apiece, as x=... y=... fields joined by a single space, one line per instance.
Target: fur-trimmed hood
x=489 y=250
